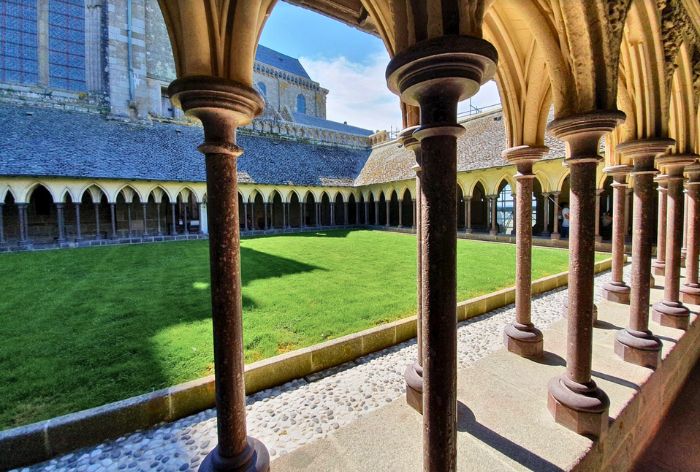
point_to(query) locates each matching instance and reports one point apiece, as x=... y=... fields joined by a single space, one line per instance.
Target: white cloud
x=358 y=93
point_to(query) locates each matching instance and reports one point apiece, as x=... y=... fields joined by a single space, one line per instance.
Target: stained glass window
x=67 y=44
x=18 y=42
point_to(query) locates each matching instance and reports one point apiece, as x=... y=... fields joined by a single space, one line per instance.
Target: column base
x=523 y=340
x=638 y=347
x=671 y=314
x=555 y=236
x=690 y=293
x=468 y=231
x=492 y=232
x=581 y=408
x=254 y=458
x=658 y=267
x=618 y=292
x=414 y=386
x=598 y=239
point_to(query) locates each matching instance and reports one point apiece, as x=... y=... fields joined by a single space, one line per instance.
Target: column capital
x=221 y=105
x=582 y=133
x=59 y=205
x=674 y=164
x=524 y=157
x=643 y=151
x=618 y=173
x=693 y=173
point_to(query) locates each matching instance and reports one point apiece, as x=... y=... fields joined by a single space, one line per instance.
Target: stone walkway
x=304 y=410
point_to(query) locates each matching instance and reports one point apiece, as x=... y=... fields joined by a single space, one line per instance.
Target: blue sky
x=347 y=62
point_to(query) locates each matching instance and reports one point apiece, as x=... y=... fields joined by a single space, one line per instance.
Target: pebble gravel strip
x=304 y=410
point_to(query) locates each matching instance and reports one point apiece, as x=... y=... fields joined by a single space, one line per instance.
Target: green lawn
x=84 y=327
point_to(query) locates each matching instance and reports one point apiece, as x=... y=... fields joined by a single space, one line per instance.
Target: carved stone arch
x=31 y=188
x=477 y=181
x=92 y=189
x=158 y=197
x=128 y=191
x=67 y=192
x=682 y=122
x=560 y=181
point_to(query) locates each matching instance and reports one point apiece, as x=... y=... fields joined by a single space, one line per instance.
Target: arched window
x=301 y=103
x=504 y=213
x=262 y=88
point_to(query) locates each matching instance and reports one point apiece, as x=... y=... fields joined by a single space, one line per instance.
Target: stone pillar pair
x=636 y=343
x=671 y=311
x=555 y=223
x=493 y=199
x=690 y=291
x=521 y=337
x=467 y=214
x=222 y=106
x=617 y=290
x=574 y=399
x=98 y=234
x=23 y=225
x=545 y=200
x=436 y=83
x=660 y=263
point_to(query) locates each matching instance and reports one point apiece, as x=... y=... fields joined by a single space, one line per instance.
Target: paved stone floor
x=304 y=410
x=675 y=446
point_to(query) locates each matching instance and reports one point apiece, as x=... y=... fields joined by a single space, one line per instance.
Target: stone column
x=628 y=203
x=318 y=214
x=332 y=211
x=617 y=290
x=302 y=222
x=222 y=106
x=401 y=213
x=113 y=216
x=690 y=291
x=145 y=218
x=388 y=211
x=574 y=399
x=545 y=200
x=598 y=192
x=158 y=228
x=494 y=215
x=684 y=248
x=414 y=209
x=199 y=207
x=2 y=224
x=185 y=207
x=97 y=221
x=60 y=223
x=346 y=220
x=660 y=263
x=173 y=229
x=670 y=311
x=285 y=220
x=521 y=337
x=23 y=232
x=78 y=234
x=245 y=216
x=357 y=212
x=128 y=218
x=636 y=343
x=265 y=215
x=271 y=206
x=555 y=223
x=413 y=374
x=437 y=83
x=376 y=213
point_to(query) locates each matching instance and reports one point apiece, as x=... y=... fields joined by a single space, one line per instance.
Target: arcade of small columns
x=623 y=69
x=51 y=211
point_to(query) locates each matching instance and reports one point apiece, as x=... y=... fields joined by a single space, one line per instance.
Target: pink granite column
x=414 y=372
x=670 y=311
x=574 y=399
x=660 y=263
x=684 y=248
x=222 y=106
x=545 y=201
x=435 y=74
x=617 y=290
x=598 y=192
x=468 y=214
x=555 y=222
x=636 y=343
x=521 y=337
x=690 y=291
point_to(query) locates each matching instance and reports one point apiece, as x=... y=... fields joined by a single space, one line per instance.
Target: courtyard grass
x=84 y=327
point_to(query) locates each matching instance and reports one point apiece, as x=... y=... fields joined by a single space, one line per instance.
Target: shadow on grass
x=80 y=328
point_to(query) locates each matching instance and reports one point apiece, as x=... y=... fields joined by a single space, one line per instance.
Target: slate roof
x=316 y=122
x=47 y=142
x=281 y=61
x=479 y=148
